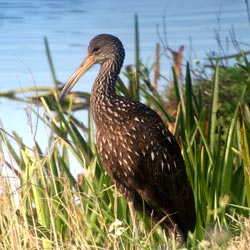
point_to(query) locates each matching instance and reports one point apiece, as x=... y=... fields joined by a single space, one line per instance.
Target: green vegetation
x=49 y=208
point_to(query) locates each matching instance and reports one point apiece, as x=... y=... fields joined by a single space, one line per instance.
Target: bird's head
x=105 y=47
x=102 y=48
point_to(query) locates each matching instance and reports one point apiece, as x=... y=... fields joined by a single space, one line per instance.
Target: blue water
x=69 y=25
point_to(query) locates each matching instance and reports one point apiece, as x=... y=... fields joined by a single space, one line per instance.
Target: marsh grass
x=47 y=207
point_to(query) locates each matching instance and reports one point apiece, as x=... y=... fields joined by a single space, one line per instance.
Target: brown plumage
x=136 y=149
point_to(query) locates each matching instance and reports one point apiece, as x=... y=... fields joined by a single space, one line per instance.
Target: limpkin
x=136 y=149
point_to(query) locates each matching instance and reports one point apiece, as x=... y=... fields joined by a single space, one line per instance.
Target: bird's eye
x=95 y=49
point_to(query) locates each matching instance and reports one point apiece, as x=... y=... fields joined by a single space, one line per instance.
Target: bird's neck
x=103 y=91
x=104 y=85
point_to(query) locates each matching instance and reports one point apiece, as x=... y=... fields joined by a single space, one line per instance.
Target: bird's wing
x=161 y=173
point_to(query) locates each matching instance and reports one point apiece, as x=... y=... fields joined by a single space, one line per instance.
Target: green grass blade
x=214 y=108
x=189 y=103
x=136 y=84
x=245 y=138
x=51 y=66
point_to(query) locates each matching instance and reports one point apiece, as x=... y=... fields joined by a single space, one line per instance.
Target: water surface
x=69 y=25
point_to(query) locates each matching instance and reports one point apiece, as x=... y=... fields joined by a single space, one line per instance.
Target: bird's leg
x=133 y=216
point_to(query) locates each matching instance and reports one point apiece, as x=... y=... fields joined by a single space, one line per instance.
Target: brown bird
x=136 y=149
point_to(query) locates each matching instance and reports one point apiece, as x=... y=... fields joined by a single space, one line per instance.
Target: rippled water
x=69 y=25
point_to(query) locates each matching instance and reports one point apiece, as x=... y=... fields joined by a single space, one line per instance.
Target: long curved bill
x=86 y=64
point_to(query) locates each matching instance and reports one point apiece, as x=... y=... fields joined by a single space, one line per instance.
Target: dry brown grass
x=243 y=240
